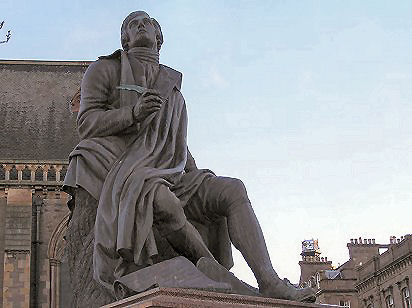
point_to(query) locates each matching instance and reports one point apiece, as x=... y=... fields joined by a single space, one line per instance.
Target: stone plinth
x=185 y=298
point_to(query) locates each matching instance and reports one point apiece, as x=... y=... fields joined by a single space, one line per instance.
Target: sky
x=309 y=103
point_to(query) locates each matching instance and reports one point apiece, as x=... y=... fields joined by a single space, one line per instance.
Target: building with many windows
x=369 y=279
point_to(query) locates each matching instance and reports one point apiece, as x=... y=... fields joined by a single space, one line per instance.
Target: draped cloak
x=121 y=163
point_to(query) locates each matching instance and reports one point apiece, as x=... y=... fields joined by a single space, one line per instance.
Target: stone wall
x=17 y=248
x=31 y=264
x=38 y=133
x=386 y=275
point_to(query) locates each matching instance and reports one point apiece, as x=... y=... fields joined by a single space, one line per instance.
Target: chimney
x=363 y=250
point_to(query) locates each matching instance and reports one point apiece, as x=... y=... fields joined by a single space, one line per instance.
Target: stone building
x=37 y=134
x=368 y=279
x=384 y=281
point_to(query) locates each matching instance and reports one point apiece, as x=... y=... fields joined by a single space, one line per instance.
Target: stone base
x=185 y=298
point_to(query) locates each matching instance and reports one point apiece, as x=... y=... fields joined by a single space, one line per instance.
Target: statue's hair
x=125 y=37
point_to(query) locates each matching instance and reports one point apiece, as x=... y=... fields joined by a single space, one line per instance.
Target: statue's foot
x=283 y=289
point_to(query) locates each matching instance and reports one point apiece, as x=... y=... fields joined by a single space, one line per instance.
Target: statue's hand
x=149 y=102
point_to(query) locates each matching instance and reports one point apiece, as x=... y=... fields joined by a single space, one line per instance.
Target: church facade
x=38 y=132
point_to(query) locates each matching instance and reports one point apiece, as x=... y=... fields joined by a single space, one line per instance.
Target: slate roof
x=35 y=118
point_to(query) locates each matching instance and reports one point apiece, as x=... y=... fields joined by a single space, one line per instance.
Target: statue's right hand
x=150 y=101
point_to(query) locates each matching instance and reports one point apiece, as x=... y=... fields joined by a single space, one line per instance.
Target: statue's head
x=139 y=30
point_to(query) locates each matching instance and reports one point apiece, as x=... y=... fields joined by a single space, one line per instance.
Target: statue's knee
x=234 y=196
x=234 y=189
x=168 y=214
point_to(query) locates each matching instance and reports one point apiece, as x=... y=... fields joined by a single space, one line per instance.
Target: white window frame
x=406 y=298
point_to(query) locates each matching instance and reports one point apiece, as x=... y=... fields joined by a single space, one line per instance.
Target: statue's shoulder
x=105 y=66
x=174 y=76
x=104 y=69
x=115 y=55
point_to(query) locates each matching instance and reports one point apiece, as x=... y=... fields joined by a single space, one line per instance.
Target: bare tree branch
x=8 y=35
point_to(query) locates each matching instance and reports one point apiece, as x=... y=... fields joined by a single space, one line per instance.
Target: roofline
x=34 y=161
x=44 y=62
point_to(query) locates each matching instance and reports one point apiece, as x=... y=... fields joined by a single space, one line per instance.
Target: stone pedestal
x=185 y=298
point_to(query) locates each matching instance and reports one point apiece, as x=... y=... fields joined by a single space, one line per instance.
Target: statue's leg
x=80 y=237
x=170 y=220
x=227 y=197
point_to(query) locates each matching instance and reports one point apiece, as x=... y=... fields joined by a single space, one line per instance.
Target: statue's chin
x=142 y=41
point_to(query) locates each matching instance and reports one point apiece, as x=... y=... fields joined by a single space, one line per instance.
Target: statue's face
x=141 y=32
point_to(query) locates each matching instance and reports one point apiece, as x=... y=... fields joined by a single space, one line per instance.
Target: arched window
x=38 y=175
x=26 y=174
x=51 y=174
x=2 y=173
x=406 y=298
x=60 y=288
x=389 y=301
x=13 y=173
x=63 y=173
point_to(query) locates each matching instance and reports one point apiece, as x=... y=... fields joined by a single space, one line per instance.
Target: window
x=63 y=173
x=13 y=173
x=51 y=174
x=345 y=304
x=2 y=172
x=406 y=298
x=39 y=174
x=389 y=301
x=26 y=174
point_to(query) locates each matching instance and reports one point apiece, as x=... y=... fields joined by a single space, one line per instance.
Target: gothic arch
x=57 y=243
x=55 y=253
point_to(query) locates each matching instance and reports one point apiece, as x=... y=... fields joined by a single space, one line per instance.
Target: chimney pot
x=326 y=259
x=365 y=241
x=369 y=241
x=373 y=241
x=356 y=241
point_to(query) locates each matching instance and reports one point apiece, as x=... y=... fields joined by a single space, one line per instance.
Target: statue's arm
x=190 y=163
x=96 y=117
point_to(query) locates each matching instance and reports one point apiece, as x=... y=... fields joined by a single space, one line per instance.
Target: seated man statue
x=133 y=161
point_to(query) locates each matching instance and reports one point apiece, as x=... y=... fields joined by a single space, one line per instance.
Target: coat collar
x=166 y=81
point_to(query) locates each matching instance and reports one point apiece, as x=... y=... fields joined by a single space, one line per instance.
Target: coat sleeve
x=97 y=118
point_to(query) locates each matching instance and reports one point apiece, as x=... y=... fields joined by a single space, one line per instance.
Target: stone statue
x=133 y=178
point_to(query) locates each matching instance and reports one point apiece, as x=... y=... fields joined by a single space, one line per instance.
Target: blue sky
x=308 y=102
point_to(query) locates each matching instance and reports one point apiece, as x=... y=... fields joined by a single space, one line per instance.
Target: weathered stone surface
x=177 y=272
x=80 y=239
x=185 y=298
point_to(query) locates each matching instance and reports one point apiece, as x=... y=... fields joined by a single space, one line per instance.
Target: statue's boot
x=188 y=242
x=246 y=235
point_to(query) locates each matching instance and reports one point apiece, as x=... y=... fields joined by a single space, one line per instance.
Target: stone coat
x=121 y=163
